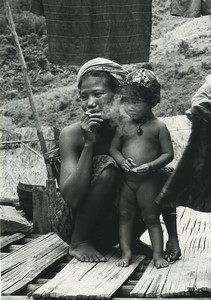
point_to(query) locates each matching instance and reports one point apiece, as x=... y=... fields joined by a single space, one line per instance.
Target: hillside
x=180 y=56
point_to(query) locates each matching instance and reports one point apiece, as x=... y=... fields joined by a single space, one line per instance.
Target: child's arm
x=167 y=152
x=115 y=152
x=166 y=147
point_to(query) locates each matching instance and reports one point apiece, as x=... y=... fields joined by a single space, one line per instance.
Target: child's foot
x=124 y=261
x=85 y=252
x=160 y=262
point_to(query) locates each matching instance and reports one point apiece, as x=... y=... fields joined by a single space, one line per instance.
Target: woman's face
x=95 y=94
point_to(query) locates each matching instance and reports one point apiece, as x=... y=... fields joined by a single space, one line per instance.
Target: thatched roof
x=22 y=161
x=180 y=128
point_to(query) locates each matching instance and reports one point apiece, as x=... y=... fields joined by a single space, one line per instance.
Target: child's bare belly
x=141 y=151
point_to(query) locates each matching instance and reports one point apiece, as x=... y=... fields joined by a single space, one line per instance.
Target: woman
x=88 y=219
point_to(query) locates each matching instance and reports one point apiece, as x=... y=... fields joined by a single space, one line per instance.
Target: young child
x=141 y=148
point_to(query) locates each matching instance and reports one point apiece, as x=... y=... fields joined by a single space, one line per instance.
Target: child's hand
x=144 y=169
x=128 y=164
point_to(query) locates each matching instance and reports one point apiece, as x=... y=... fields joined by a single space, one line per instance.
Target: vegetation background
x=180 y=56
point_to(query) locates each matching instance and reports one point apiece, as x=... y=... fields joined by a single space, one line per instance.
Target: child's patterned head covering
x=145 y=85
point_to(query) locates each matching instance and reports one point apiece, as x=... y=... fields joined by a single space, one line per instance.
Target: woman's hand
x=128 y=164
x=143 y=169
x=189 y=114
x=173 y=251
x=89 y=123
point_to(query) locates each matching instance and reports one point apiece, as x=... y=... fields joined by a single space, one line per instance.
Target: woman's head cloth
x=147 y=83
x=103 y=64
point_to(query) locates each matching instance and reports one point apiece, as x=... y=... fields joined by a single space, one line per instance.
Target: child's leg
x=126 y=218
x=146 y=194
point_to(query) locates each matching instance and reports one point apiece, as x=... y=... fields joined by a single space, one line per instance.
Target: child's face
x=136 y=108
x=134 y=103
x=95 y=94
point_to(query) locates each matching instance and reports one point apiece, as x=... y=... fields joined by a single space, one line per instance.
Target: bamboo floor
x=191 y=275
x=189 y=278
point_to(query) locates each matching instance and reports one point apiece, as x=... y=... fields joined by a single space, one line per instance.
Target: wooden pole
x=28 y=86
x=46 y=200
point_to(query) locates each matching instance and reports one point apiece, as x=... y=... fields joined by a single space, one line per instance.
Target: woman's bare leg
x=89 y=214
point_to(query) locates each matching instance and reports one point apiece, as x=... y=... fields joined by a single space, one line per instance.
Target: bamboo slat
x=8 y=239
x=88 y=280
x=23 y=265
x=192 y=273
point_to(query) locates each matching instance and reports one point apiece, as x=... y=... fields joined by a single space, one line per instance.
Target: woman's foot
x=85 y=252
x=124 y=261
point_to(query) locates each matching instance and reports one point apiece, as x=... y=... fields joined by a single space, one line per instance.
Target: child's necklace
x=142 y=121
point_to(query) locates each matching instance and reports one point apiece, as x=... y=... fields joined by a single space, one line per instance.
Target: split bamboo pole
x=28 y=87
x=47 y=198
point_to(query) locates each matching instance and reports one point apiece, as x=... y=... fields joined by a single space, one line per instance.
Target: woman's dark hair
x=111 y=82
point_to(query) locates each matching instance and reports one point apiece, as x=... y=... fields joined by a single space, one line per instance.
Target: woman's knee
x=108 y=176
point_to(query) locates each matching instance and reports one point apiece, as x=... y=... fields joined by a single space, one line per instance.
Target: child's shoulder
x=159 y=124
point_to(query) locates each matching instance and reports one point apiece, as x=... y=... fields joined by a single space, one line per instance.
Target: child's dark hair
x=143 y=85
x=151 y=95
x=110 y=80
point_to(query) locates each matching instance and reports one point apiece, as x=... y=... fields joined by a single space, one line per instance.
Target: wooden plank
x=23 y=265
x=43 y=202
x=8 y=239
x=41 y=223
x=12 y=221
x=88 y=280
x=192 y=273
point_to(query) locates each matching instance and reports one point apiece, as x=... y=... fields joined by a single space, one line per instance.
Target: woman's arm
x=76 y=149
x=76 y=168
x=173 y=251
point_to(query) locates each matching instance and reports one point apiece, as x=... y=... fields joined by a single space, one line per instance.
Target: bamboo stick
x=28 y=85
x=23 y=141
